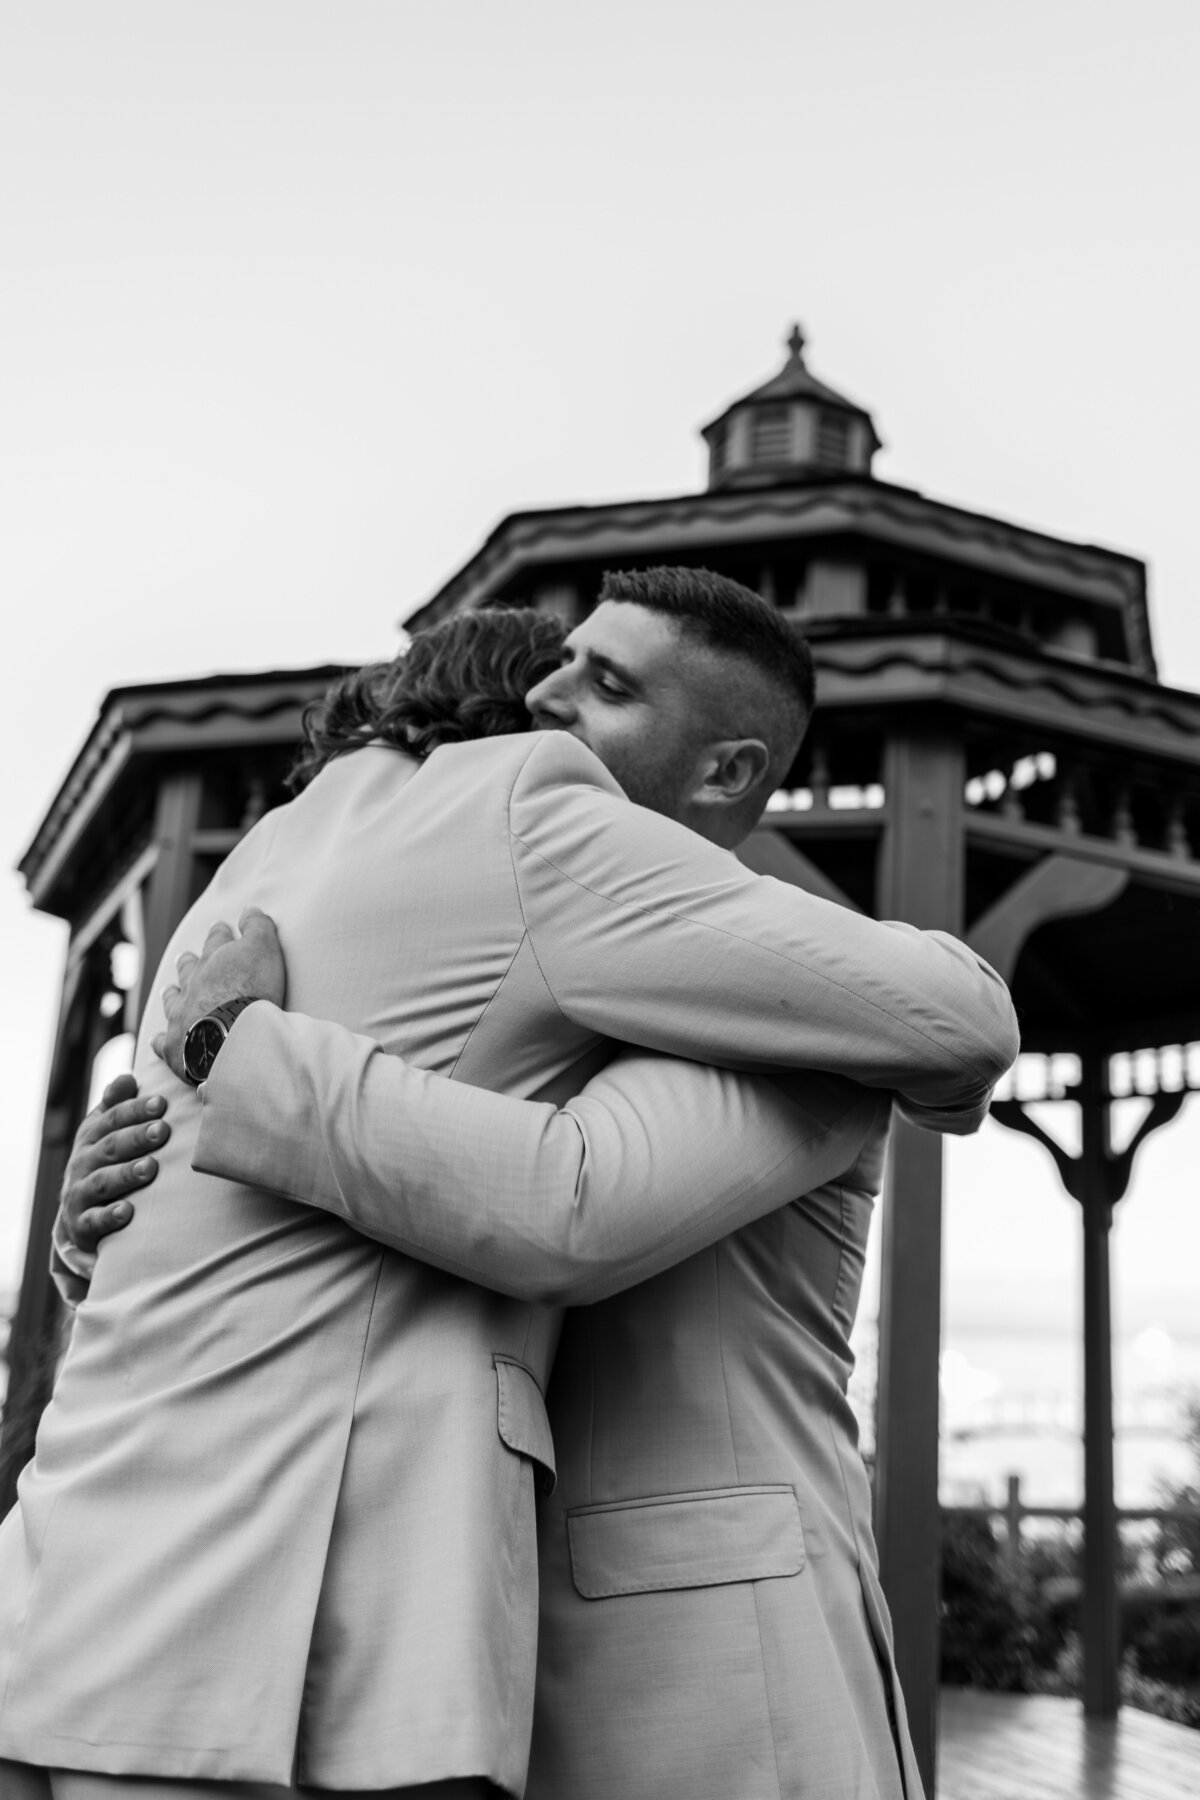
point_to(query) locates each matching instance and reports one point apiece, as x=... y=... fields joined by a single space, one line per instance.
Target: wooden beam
x=1148 y=1033
x=921 y=881
x=99 y=784
x=858 y=823
x=1100 y=1612
x=1055 y=888
x=1153 y=868
x=907 y=1422
x=34 y=1345
x=169 y=894
x=102 y=915
x=1013 y=1114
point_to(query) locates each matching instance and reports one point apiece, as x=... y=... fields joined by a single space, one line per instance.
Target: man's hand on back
x=249 y=967
x=112 y=1154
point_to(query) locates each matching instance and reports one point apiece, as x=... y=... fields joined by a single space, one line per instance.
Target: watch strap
x=229 y=1011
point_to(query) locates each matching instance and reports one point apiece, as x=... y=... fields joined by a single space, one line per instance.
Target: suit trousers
x=24 y=1781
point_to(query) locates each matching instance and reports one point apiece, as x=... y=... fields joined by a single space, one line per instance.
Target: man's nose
x=550 y=698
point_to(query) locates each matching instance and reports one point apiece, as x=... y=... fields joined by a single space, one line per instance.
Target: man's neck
x=715 y=827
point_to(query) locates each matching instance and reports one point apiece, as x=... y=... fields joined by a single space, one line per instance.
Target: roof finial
x=795 y=343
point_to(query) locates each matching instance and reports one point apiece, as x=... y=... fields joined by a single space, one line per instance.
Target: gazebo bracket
x=1117 y=1165
x=1055 y=888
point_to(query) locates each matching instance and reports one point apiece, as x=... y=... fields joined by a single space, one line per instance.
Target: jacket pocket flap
x=685 y=1540
x=521 y=1418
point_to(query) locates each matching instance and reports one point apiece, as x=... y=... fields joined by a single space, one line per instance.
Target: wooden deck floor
x=1032 y=1747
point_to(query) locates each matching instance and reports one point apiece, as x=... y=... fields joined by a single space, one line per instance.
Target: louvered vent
x=772 y=437
x=833 y=440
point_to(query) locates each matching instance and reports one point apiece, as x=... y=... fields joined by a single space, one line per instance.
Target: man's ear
x=731 y=770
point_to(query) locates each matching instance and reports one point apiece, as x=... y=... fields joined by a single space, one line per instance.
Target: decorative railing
x=1151 y=808
x=1140 y=1074
x=1014 y=1513
x=1035 y=796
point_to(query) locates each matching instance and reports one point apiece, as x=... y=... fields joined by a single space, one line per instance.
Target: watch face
x=200 y=1048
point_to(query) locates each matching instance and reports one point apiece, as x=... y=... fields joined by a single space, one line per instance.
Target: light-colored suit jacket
x=318 y=1456
x=712 y=1624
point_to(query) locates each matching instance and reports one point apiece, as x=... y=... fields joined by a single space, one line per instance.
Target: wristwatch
x=203 y=1041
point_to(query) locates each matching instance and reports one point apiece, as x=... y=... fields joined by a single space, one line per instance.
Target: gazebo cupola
x=790 y=429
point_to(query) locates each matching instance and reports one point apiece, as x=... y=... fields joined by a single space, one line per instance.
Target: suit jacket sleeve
x=646 y=933
x=656 y=1159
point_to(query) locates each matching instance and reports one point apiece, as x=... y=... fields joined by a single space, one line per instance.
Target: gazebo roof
x=795 y=381
x=152 y=721
x=843 y=509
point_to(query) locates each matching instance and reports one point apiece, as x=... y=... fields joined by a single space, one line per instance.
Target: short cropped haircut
x=466 y=678
x=711 y=609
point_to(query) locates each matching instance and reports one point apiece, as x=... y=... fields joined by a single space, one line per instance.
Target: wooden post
x=1101 y=1624
x=81 y=1032
x=34 y=1346
x=1012 y=1521
x=1097 y=1179
x=921 y=881
x=170 y=887
x=906 y=1466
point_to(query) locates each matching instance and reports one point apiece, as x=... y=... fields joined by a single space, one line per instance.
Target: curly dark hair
x=466 y=678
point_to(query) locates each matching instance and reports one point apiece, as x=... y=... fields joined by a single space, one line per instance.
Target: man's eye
x=612 y=688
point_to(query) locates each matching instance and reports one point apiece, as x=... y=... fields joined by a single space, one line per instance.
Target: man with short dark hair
x=712 y=1617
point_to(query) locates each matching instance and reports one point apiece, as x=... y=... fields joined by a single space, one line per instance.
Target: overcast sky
x=299 y=298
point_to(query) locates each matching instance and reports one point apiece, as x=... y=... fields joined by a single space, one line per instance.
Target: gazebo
x=993 y=754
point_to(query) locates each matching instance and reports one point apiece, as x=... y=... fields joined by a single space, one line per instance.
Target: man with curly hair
x=311 y=1458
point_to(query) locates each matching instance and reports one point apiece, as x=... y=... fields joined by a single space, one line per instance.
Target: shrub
x=1177 y=1546
x=1166 y=1643
x=985 y=1633
x=1159 y=1697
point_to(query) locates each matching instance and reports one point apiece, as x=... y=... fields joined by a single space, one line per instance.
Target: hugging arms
x=430 y=1166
